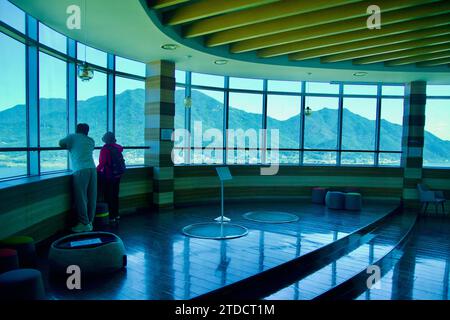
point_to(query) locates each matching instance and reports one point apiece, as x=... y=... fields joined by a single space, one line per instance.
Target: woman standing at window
x=110 y=169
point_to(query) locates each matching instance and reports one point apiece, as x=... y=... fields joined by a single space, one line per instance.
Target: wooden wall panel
x=42 y=207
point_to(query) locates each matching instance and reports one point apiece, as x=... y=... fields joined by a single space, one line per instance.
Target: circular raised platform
x=271 y=216
x=215 y=230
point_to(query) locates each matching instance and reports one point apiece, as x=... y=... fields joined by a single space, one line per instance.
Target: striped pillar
x=159 y=121
x=413 y=141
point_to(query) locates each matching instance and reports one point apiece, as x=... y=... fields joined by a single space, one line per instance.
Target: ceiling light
x=308 y=111
x=360 y=74
x=221 y=62
x=169 y=46
x=85 y=72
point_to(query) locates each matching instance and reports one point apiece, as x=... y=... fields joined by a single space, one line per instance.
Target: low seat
x=101 y=214
x=25 y=248
x=318 y=195
x=335 y=200
x=428 y=196
x=94 y=252
x=353 y=201
x=8 y=260
x=22 y=284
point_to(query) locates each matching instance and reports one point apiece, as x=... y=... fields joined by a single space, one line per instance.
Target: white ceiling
x=123 y=27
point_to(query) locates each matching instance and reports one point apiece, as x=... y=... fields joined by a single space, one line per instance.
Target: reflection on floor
x=165 y=264
x=423 y=272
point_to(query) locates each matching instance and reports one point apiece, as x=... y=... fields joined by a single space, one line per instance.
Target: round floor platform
x=215 y=230
x=271 y=216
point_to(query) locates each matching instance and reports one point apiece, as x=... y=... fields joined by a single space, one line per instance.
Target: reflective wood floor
x=165 y=264
x=423 y=272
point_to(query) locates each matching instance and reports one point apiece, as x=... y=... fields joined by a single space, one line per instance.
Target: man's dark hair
x=83 y=128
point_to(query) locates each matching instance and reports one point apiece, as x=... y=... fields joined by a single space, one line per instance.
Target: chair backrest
x=422 y=187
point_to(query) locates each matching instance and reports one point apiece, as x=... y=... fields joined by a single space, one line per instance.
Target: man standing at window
x=81 y=147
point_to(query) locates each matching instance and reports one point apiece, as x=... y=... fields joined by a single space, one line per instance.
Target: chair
x=426 y=196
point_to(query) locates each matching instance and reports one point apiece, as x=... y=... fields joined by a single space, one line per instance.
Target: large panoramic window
x=130 y=66
x=91 y=105
x=436 y=151
x=245 y=124
x=91 y=55
x=52 y=111
x=129 y=119
x=13 y=124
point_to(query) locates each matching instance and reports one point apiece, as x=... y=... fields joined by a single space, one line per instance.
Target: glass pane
x=391 y=130
x=52 y=39
x=358 y=124
x=319 y=158
x=130 y=106
x=438 y=90
x=436 y=151
x=283 y=114
x=53 y=161
x=246 y=84
x=96 y=156
x=389 y=159
x=284 y=86
x=12 y=15
x=180 y=76
x=321 y=125
x=134 y=157
x=13 y=123
x=130 y=66
x=13 y=164
x=360 y=89
x=207 y=80
x=357 y=158
x=283 y=157
x=206 y=114
x=322 y=87
x=393 y=90
x=207 y=125
x=91 y=55
x=245 y=123
x=91 y=105
x=53 y=106
x=179 y=108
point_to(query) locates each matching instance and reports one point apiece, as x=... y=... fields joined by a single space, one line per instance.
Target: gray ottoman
x=93 y=252
x=22 y=284
x=318 y=195
x=335 y=200
x=353 y=201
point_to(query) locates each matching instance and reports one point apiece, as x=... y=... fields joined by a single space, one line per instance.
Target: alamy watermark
x=374 y=20
x=73 y=282
x=243 y=146
x=374 y=280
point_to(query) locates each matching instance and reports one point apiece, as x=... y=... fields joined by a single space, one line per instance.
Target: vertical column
x=159 y=120
x=413 y=140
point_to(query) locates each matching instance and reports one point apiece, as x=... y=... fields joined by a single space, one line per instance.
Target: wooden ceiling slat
x=419 y=58
x=206 y=8
x=268 y=12
x=402 y=54
x=304 y=20
x=160 y=4
x=389 y=44
x=434 y=63
x=354 y=36
x=329 y=29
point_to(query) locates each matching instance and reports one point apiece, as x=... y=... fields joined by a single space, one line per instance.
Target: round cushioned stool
x=22 y=284
x=25 y=248
x=353 y=201
x=101 y=214
x=335 y=200
x=8 y=260
x=318 y=195
x=93 y=252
